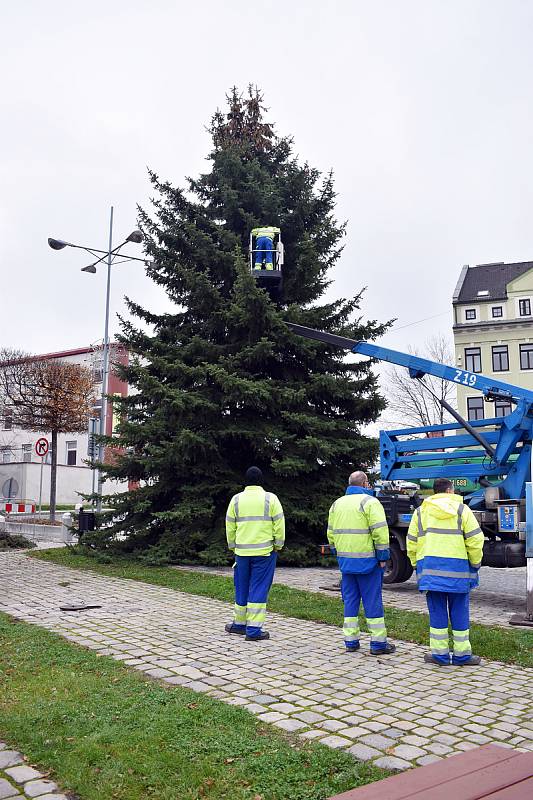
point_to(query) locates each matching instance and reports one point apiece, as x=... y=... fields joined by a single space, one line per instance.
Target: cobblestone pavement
x=396 y=710
x=18 y=780
x=501 y=594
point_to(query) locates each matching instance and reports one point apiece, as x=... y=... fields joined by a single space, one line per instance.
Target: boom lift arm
x=512 y=436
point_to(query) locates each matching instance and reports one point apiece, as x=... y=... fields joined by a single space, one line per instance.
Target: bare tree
x=408 y=400
x=46 y=395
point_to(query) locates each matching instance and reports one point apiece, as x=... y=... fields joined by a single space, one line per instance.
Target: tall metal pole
x=105 y=364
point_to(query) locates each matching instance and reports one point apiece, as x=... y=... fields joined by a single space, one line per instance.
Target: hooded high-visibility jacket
x=357 y=529
x=255 y=523
x=445 y=543
x=267 y=231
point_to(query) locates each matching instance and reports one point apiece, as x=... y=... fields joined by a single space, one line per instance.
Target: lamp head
x=135 y=236
x=91 y=268
x=57 y=244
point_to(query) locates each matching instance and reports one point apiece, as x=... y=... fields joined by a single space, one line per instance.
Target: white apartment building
x=493 y=331
x=20 y=466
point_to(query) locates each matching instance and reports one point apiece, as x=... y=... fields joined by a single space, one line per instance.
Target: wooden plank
x=402 y=786
x=518 y=791
x=479 y=784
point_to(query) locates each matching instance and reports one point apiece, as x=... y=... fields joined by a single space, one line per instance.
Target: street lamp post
x=108 y=255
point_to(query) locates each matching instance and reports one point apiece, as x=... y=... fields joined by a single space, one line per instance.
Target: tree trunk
x=53 y=477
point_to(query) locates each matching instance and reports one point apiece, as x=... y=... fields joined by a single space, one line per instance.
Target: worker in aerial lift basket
x=445 y=544
x=264 y=246
x=255 y=530
x=358 y=533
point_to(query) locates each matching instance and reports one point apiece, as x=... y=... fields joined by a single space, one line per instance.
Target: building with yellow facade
x=493 y=331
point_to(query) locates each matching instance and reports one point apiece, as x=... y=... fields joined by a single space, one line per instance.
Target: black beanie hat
x=254 y=476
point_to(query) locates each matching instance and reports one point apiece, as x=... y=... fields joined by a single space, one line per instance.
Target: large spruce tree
x=221 y=383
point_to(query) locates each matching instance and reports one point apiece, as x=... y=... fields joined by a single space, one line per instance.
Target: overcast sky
x=423 y=108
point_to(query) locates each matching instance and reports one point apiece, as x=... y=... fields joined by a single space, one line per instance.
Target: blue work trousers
x=445 y=607
x=356 y=586
x=265 y=246
x=253 y=577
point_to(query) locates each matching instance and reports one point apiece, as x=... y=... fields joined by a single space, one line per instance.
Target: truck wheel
x=398 y=567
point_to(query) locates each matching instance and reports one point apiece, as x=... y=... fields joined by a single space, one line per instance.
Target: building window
x=6 y=455
x=497 y=311
x=71 y=454
x=500 y=358
x=524 y=307
x=526 y=356
x=26 y=452
x=473 y=359
x=470 y=313
x=474 y=407
x=8 y=419
x=502 y=407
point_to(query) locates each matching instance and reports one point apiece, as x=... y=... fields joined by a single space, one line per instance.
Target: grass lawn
x=107 y=733
x=512 y=646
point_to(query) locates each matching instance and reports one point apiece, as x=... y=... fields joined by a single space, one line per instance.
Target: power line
x=418 y=321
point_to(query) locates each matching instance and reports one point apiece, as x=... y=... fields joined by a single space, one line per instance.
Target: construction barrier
x=17 y=507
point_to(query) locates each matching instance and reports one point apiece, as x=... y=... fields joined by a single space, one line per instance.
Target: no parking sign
x=41 y=447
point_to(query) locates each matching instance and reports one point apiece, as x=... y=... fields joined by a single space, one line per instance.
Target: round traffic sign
x=41 y=447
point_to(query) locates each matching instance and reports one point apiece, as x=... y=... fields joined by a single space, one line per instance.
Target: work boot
x=231 y=628
x=353 y=648
x=262 y=635
x=473 y=661
x=429 y=659
x=388 y=649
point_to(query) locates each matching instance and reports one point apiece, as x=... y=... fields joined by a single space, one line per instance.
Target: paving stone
x=314 y=733
x=352 y=733
x=393 y=733
x=284 y=708
x=424 y=760
x=23 y=774
x=390 y=762
x=376 y=727
x=408 y=751
x=39 y=787
x=416 y=741
x=10 y=758
x=336 y=741
x=362 y=752
x=309 y=716
x=290 y=724
x=438 y=749
x=7 y=790
x=378 y=741
x=197 y=686
x=53 y=797
x=264 y=699
x=445 y=738
x=478 y=738
x=405 y=725
x=272 y=716
x=337 y=713
x=332 y=724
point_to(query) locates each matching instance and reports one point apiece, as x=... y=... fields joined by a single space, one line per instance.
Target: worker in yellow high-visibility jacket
x=445 y=544
x=358 y=533
x=255 y=530
x=264 y=246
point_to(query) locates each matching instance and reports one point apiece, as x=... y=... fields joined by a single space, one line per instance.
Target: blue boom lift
x=500 y=445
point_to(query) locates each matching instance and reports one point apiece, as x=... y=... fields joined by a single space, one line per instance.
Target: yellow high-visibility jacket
x=255 y=523
x=445 y=544
x=268 y=231
x=357 y=529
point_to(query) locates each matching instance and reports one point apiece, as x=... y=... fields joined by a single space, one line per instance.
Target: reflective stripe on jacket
x=357 y=529
x=269 y=232
x=255 y=523
x=445 y=543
